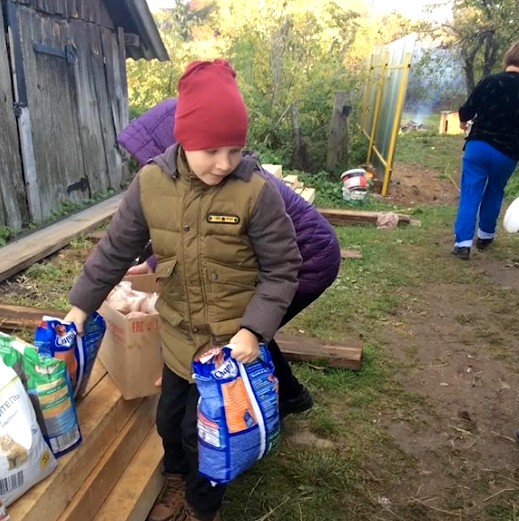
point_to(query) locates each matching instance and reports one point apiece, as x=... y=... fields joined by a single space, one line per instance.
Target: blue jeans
x=486 y=172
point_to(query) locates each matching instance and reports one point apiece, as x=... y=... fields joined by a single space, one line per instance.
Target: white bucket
x=354 y=184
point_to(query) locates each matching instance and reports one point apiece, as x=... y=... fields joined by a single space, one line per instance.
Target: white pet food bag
x=25 y=458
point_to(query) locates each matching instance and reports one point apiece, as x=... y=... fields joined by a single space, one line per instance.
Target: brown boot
x=171 y=503
x=191 y=516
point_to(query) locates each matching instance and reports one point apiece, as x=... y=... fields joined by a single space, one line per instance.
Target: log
x=348 y=217
x=14 y=318
x=335 y=354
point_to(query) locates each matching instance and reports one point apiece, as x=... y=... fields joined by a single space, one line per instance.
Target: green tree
x=479 y=33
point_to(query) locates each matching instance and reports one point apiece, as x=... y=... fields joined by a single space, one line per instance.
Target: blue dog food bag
x=59 y=339
x=238 y=412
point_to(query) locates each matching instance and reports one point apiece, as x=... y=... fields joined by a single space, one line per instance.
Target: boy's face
x=212 y=166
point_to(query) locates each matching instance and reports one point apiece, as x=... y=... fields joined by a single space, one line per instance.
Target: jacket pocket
x=229 y=291
x=165 y=268
x=223 y=274
x=223 y=331
x=169 y=280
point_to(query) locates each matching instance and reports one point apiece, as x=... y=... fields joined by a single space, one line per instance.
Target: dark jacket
x=494 y=106
x=151 y=133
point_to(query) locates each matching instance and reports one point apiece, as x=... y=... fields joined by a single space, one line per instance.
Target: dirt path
x=456 y=349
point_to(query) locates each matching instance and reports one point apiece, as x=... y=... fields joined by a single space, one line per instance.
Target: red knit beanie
x=210 y=112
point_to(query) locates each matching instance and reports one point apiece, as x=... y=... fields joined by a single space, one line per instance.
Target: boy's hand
x=78 y=316
x=141 y=269
x=245 y=346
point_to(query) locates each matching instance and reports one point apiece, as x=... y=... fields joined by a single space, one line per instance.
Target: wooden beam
x=348 y=217
x=98 y=484
x=351 y=254
x=303 y=349
x=24 y=252
x=296 y=348
x=135 y=492
x=14 y=318
x=102 y=415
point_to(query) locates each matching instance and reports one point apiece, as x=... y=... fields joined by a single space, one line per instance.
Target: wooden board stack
x=292 y=181
x=114 y=474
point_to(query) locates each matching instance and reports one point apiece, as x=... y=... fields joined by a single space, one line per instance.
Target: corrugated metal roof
x=134 y=16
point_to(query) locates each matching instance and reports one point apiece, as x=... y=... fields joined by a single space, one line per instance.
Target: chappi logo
x=228 y=370
x=66 y=340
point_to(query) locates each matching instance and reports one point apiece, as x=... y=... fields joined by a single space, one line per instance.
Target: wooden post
x=299 y=155
x=338 y=139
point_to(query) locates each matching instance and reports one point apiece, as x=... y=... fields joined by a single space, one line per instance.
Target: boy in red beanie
x=227 y=265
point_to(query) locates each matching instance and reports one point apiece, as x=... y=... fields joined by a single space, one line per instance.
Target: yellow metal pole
x=396 y=124
x=378 y=103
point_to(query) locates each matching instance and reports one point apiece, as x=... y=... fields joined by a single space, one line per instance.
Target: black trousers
x=177 y=426
x=289 y=386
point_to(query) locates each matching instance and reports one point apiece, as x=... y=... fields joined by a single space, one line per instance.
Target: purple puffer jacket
x=151 y=133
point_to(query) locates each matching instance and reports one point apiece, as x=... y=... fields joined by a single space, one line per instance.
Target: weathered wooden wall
x=13 y=204
x=75 y=108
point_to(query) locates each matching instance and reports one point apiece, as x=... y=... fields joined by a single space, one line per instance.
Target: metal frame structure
x=383 y=103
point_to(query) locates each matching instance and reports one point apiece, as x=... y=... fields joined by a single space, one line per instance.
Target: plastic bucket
x=354 y=184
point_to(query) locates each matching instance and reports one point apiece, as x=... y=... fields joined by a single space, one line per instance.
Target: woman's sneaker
x=461 y=252
x=483 y=244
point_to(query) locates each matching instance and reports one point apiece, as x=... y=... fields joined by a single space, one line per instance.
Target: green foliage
x=287 y=59
x=67 y=207
x=479 y=34
x=5 y=235
x=512 y=189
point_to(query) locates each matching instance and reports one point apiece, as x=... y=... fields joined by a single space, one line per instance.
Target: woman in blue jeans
x=491 y=154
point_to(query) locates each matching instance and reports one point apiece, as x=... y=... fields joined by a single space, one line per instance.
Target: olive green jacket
x=227 y=255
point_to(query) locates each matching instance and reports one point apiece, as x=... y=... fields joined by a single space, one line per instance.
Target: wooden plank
x=302 y=349
x=138 y=487
x=102 y=479
x=102 y=416
x=24 y=252
x=100 y=85
x=308 y=194
x=98 y=373
x=13 y=318
x=275 y=170
x=296 y=348
x=13 y=206
x=346 y=217
x=88 y=113
x=349 y=254
x=52 y=107
x=291 y=180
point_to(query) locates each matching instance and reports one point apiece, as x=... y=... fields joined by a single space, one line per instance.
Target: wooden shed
x=63 y=99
